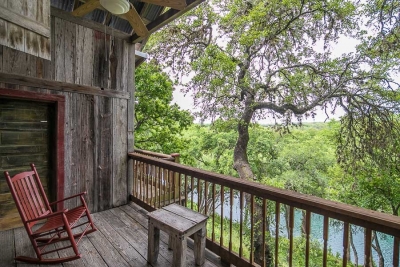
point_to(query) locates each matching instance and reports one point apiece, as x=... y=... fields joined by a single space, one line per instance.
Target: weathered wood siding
x=96 y=127
x=25 y=26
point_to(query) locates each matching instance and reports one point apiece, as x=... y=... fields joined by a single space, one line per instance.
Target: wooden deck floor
x=120 y=241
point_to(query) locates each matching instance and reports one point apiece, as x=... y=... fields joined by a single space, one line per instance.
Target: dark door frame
x=59 y=102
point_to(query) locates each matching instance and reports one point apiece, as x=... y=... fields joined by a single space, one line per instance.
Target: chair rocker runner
x=34 y=208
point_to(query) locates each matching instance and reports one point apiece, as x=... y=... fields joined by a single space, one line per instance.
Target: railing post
x=177 y=181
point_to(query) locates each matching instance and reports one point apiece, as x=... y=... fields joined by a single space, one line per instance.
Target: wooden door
x=25 y=137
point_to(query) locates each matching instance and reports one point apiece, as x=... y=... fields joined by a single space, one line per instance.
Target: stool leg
x=179 y=251
x=153 y=244
x=200 y=245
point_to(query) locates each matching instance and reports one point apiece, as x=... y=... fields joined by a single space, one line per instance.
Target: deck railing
x=251 y=224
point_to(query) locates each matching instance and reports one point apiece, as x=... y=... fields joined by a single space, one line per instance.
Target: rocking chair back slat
x=30 y=196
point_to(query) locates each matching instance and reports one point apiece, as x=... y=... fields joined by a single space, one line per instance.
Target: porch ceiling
x=152 y=14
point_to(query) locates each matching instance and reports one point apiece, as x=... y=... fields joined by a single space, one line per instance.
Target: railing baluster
x=367 y=247
x=153 y=171
x=325 y=237
x=147 y=182
x=291 y=226
x=159 y=187
x=221 y=237
x=192 y=189
x=277 y=222
x=186 y=193
x=346 y=227
x=252 y=229
x=179 y=188
x=173 y=189
x=169 y=187
x=308 y=228
x=213 y=213
x=206 y=198
x=135 y=178
x=198 y=195
x=264 y=229
x=241 y=225
x=396 y=246
x=231 y=218
x=141 y=180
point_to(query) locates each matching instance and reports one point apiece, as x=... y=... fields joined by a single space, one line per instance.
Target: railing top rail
x=155 y=154
x=374 y=220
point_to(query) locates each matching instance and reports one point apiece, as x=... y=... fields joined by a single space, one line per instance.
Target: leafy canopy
x=158 y=123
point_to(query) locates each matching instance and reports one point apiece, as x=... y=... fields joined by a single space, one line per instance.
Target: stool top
x=177 y=217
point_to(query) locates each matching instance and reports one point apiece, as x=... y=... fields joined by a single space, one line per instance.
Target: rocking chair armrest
x=57 y=213
x=61 y=200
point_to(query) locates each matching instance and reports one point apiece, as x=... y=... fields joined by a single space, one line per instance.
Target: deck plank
x=23 y=247
x=120 y=241
x=7 y=252
x=126 y=250
x=137 y=237
x=106 y=250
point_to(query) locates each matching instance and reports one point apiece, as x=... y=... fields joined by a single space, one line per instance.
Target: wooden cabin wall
x=96 y=127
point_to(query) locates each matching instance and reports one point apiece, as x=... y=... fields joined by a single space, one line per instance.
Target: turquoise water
x=335 y=234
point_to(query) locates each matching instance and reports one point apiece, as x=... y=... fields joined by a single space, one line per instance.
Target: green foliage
x=158 y=123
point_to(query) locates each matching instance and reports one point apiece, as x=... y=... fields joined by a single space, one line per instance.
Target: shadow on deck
x=120 y=241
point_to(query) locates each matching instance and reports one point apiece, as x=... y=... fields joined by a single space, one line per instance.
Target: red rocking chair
x=33 y=207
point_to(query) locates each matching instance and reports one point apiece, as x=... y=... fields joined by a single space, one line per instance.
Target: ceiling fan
x=126 y=10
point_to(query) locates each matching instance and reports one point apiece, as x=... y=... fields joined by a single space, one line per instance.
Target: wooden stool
x=179 y=222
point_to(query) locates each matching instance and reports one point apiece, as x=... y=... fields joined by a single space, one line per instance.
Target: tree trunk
x=377 y=248
x=354 y=249
x=240 y=160
x=242 y=166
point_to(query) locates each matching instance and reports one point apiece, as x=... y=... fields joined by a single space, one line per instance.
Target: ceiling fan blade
x=136 y=22
x=175 y=4
x=86 y=8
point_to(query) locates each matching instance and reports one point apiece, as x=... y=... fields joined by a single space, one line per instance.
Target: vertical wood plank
x=59 y=51
x=264 y=229
x=325 y=237
x=87 y=57
x=230 y=218
x=120 y=146
x=69 y=56
x=221 y=236
x=277 y=222
x=213 y=212
x=3 y=32
x=346 y=227
x=105 y=156
x=252 y=229
x=308 y=228
x=396 y=247
x=32 y=41
x=16 y=37
x=367 y=247
x=79 y=54
x=241 y=199
x=130 y=87
x=291 y=226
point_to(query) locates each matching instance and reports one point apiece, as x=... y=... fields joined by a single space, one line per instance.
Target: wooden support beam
x=136 y=22
x=164 y=19
x=86 y=8
x=175 y=4
x=60 y=86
